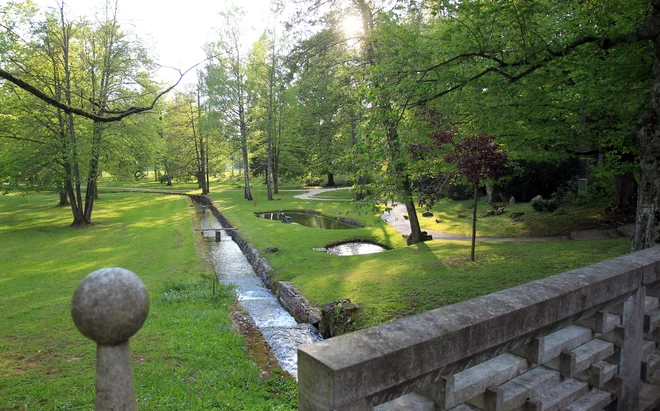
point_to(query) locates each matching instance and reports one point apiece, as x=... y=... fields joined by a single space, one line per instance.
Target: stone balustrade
x=586 y=339
x=108 y=307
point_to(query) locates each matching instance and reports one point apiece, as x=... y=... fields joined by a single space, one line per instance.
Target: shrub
x=549 y=205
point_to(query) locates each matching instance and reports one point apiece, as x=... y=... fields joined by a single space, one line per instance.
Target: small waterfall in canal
x=278 y=327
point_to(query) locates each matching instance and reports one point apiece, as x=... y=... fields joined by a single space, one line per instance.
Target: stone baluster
x=109 y=306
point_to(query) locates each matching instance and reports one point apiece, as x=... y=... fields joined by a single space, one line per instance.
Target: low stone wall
x=288 y=294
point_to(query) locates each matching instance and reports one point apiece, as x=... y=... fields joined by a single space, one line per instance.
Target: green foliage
x=546 y=205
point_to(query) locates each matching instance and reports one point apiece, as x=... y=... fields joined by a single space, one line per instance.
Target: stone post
x=631 y=350
x=109 y=306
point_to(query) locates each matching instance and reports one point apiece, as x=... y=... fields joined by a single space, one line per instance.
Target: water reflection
x=356 y=248
x=308 y=220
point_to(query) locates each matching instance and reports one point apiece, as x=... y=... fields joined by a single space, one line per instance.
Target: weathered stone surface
x=598 y=374
x=337 y=317
x=512 y=200
x=545 y=348
x=559 y=397
x=601 y=322
x=411 y=402
x=537 y=198
x=592 y=401
x=110 y=305
x=514 y=393
x=297 y=304
x=460 y=387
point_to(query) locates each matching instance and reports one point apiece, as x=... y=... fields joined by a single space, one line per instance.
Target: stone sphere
x=110 y=305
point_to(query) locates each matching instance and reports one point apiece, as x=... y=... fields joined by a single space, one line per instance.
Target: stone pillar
x=631 y=350
x=109 y=306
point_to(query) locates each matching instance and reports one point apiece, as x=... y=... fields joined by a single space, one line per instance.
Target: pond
x=307 y=219
x=355 y=248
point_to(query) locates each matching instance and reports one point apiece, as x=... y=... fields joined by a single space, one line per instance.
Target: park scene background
x=461 y=112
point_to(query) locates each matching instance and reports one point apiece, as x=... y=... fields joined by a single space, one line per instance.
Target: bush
x=459 y=192
x=546 y=205
x=526 y=179
x=314 y=180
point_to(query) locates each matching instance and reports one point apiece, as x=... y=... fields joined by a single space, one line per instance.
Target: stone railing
x=586 y=339
x=108 y=307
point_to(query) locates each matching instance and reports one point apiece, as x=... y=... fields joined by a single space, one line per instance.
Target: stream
x=278 y=327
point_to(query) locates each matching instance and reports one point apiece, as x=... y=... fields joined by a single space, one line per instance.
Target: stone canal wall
x=287 y=293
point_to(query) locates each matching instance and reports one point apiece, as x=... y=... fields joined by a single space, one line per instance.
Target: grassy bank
x=455 y=217
x=185 y=357
x=405 y=280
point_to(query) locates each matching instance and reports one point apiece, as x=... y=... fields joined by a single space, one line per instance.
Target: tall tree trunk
x=331 y=180
x=647 y=223
x=415 y=229
x=93 y=172
x=244 y=146
x=276 y=171
x=394 y=146
x=269 y=171
x=474 y=221
x=626 y=192
x=64 y=200
x=208 y=171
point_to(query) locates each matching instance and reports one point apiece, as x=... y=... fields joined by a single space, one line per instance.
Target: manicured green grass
x=405 y=280
x=337 y=194
x=185 y=357
x=456 y=218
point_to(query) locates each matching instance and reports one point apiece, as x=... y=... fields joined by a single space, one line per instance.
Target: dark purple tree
x=476 y=157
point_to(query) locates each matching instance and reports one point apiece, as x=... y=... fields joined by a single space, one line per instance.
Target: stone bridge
x=586 y=339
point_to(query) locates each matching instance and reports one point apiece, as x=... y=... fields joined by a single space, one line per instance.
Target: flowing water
x=278 y=327
x=309 y=220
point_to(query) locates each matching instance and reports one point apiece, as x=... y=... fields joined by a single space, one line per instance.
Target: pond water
x=308 y=220
x=355 y=248
x=278 y=327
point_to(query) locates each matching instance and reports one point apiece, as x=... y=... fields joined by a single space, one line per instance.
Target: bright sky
x=175 y=30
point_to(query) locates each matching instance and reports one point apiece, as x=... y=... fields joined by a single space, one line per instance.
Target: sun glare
x=352 y=26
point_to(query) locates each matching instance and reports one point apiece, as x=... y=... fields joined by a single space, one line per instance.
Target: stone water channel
x=278 y=327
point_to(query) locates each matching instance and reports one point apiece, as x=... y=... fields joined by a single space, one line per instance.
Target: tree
x=83 y=72
x=226 y=81
x=504 y=43
x=380 y=139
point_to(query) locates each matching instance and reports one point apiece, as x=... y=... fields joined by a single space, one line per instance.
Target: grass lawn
x=456 y=218
x=337 y=194
x=185 y=357
x=405 y=280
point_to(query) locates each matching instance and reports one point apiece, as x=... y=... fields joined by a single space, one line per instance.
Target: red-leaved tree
x=475 y=157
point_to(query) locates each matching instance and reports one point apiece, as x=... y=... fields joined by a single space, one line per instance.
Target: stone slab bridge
x=586 y=339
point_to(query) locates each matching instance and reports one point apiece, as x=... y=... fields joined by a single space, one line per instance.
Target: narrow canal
x=278 y=327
